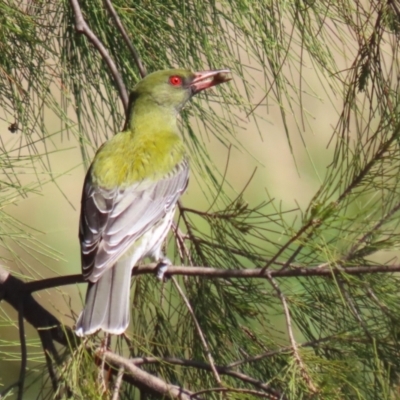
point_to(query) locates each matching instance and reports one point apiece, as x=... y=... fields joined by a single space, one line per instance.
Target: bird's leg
x=162 y=266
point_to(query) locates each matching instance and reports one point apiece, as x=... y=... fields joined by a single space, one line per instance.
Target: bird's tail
x=107 y=302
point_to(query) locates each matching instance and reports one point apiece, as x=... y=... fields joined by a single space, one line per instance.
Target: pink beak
x=206 y=79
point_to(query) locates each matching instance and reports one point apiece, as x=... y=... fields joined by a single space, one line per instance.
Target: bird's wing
x=111 y=220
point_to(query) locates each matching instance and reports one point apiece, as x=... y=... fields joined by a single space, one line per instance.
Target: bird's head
x=172 y=88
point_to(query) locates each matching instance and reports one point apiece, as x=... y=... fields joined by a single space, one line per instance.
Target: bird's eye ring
x=175 y=80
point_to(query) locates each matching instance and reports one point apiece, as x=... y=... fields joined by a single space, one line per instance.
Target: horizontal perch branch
x=207 y=272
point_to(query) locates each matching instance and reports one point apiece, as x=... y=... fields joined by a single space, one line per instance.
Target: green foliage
x=331 y=337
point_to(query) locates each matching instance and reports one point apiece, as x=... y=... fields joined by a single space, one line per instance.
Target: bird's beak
x=206 y=79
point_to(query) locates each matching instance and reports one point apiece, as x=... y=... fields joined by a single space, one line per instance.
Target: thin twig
x=8 y=389
x=272 y=353
x=181 y=245
x=200 y=365
x=245 y=391
x=151 y=382
x=24 y=354
x=222 y=181
x=295 y=350
x=51 y=354
x=199 y=331
x=190 y=233
x=118 y=383
x=375 y=228
x=353 y=308
x=82 y=27
x=287 y=244
x=371 y=294
x=121 y=28
x=252 y=257
x=292 y=258
x=100 y=373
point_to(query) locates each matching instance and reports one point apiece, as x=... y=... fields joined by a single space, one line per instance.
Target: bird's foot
x=162 y=267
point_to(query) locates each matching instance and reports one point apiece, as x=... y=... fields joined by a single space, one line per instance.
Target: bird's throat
x=147 y=114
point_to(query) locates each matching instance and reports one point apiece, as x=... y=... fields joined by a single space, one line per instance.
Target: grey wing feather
x=111 y=220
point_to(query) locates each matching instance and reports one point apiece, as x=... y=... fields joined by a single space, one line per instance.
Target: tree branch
x=293 y=343
x=152 y=382
x=118 y=382
x=199 y=331
x=375 y=228
x=121 y=28
x=233 y=390
x=14 y=292
x=209 y=272
x=82 y=27
x=24 y=352
x=221 y=370
x=281 y=350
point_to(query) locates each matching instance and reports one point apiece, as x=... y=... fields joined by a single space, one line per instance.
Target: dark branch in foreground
x=14 y=292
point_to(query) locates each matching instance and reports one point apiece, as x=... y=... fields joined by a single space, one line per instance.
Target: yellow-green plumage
x=129 y=158
x=130 y=194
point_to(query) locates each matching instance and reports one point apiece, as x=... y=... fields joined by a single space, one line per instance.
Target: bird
x=130 y=194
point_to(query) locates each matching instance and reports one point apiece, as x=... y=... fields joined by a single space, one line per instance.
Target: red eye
x=175 y=80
